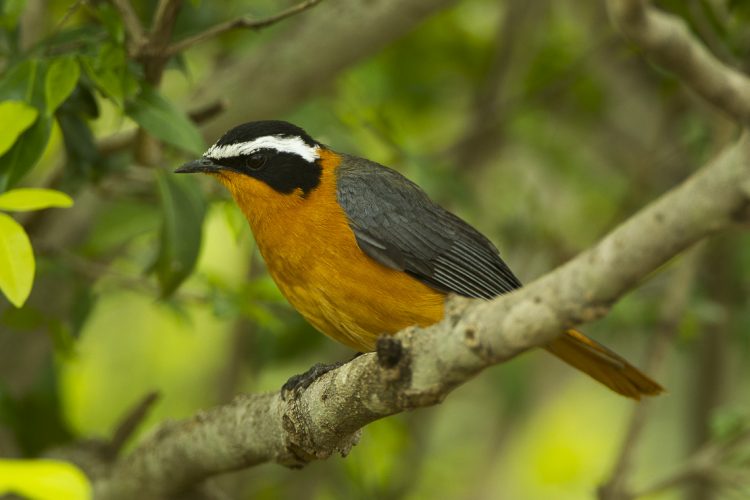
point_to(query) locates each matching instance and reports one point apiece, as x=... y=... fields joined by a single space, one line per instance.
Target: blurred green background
x=534 y=120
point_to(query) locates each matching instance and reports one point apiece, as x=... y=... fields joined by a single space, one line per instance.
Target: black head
x=276 y=152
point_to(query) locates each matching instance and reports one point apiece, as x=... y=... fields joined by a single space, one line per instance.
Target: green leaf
x=43 y=480
x=18 y=83
x=16 y=116
x=16 y=261
x=80 y=144
x=27 y=150
x=161 y=119
x=110 y=73
x=25 y=199
x=11 y=11
x=183 y=210
x=60 y=81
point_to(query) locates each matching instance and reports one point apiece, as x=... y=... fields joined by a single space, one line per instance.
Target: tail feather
x=603 y=365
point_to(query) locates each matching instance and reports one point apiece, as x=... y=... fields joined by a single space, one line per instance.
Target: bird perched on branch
x=361 y=251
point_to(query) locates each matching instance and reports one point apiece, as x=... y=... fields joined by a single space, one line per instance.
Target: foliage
x=43 y=480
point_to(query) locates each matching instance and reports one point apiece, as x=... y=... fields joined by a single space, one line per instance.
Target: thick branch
x=667 y=40
x=419 y=367
x=240 y=23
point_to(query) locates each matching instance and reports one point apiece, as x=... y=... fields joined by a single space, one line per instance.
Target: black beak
x=203 y=165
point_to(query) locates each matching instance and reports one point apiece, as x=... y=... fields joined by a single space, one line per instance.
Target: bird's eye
x=255 y=161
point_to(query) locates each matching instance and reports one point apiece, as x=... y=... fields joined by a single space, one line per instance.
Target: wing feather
x=396 y=224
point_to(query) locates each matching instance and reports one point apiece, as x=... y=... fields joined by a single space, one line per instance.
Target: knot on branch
x=390 y=352
x=395 y=360
x=301 y=447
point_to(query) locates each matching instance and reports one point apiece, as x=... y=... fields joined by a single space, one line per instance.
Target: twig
x=240 y=23
x=152 y=55
x=130 y=422
x=667 y=40
x=208 y=111
x=704 y=463
x=133 y=25
x=710 y=354
x=72 y=8
x=164 y=19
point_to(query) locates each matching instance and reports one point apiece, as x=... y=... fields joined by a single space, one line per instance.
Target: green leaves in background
x=60 y=81
x=24 y=199
x=10 y=13
x=110 y=73
x=43 y=480
x=16 y=116
x=17 y=263
x=160 y=118
x=183 y=210
x=25 y=82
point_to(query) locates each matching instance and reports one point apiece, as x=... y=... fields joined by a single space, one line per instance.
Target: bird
x=361 y=251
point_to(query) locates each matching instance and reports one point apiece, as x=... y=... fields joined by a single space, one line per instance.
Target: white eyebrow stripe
x=282 y=144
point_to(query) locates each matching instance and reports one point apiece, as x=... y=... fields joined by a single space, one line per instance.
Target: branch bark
x=667 y=40
x=419 y=367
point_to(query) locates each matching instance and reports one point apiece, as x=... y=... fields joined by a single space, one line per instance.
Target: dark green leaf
x=110 y=73
x=81 y=102
x=163 y=120
x=25 y=153
x=183 y=210
x=35 y=417
x=18 y=83
x=80 y=144
x=111 y=20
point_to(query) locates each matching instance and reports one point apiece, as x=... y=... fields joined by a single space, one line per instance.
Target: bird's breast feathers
x=313 y=256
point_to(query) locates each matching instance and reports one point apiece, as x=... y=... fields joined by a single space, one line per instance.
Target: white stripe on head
x=280 y=143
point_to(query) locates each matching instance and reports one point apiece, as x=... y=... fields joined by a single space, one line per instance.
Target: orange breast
x=313 y=256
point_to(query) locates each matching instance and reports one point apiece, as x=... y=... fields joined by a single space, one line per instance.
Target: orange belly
x=354 y=300
x=314 y=258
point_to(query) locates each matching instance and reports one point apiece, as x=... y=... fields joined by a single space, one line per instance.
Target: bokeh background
x=534 y=120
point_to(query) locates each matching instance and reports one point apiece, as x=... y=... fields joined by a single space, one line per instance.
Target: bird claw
x=302 y=381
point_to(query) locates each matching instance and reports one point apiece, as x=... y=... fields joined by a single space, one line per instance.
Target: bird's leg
x=303 y=380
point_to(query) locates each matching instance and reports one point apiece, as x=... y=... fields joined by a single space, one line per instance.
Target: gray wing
x=396 y=224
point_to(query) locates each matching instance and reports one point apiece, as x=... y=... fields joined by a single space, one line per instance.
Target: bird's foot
x=303 y=380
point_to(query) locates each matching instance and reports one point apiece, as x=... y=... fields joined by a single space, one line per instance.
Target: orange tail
x=603 y=365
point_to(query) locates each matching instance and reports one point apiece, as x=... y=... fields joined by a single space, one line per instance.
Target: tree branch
x=240 y=23
x=419 y=367
x=667 y=40
x=164 y=19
